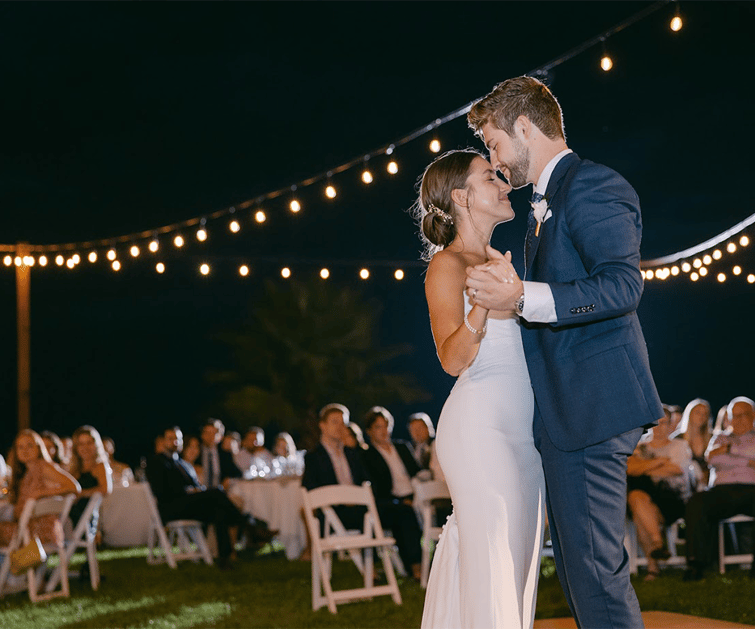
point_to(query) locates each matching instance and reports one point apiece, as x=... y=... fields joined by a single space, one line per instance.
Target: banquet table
x=124 y=517
x=277 y=501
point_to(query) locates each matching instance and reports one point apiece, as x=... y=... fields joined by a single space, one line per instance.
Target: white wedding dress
x=486 y=566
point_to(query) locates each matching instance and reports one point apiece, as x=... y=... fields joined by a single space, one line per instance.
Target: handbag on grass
x=28 y=556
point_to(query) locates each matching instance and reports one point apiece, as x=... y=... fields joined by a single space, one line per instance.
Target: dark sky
x=123 y=117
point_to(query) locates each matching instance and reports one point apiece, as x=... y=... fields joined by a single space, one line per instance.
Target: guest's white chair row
x=738 y=557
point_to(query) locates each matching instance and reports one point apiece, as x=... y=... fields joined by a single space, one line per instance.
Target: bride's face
x=487 y=194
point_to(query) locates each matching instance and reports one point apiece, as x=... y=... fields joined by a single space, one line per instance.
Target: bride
x=487 y=562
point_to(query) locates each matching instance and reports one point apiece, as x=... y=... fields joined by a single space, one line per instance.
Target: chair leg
x=721 y=563
x=94 y=564
x=199 y=539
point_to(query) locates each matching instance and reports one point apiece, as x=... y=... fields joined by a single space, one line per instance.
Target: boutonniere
x=541 y=212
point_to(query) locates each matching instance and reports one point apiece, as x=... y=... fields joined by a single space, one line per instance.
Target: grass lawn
x=269 y=591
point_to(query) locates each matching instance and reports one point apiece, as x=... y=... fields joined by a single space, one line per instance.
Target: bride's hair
x=434 y=210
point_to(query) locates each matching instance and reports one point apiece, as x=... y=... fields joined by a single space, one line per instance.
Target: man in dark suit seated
x=217 y=463
x=422 y=432
x=181 y=496
x=390 y=467
x=330 y=463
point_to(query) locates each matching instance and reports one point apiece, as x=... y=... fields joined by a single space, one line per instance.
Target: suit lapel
x=532 y=241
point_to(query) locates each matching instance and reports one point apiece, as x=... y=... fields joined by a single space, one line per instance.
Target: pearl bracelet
x=471 y=329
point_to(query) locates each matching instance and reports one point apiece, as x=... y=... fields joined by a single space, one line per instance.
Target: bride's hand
x=494 y=284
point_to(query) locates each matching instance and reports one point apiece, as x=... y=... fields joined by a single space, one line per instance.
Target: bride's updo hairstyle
x=434 y=210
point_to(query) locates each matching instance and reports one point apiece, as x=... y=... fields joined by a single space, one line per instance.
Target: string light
x=694 y=277
x=731 y=247
x=649 y=274
x=330 y=191
x=178 y=241
x=744 y=241
x=42 y=260
x=697 y=263
x=154 y=245
x=751 y=278
x=676 y=21
x=703 y=271
x=76 y=258
x=721 y=277
x=737 y=270
x=18 y=261
x=367 y=176
x=134 y=251
x=285 y=272
x=160 y=267
x=116 y=265
x=435 y=146
x=707 y=259
x=243 y=270
x=92 y=257
x=294 y=206
x=110 y=255
x=686 y=267
x=717 y=254
x=70 y=263
x=674 y=271
x=204 y=269
x=29 y=260
x=60 y=260
x=399 y=275
x=392 y=167
x=7 y=260
x=201 y=234
x=234 y=226
x=606 y=63
x=364 y=274
x=260 y=217
x=324 y=274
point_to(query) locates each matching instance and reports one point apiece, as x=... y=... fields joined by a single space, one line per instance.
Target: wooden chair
x=424 y=494
x=59 y=506
x=173 y=538
x=359 y=545
x=637 y=558
x=737 y=557
x=83 y=536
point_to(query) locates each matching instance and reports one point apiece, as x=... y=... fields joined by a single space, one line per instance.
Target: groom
x=585 y=350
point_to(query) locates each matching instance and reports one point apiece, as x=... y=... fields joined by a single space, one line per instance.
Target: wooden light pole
x=23 y=329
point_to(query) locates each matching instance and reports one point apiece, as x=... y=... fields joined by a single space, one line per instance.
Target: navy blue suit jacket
x=319 y=470
x=590 y=369
x=380 y=473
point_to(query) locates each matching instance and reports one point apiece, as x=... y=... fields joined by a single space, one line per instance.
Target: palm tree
x=305 y=345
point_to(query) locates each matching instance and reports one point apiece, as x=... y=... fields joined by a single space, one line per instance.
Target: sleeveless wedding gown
x=487 y=562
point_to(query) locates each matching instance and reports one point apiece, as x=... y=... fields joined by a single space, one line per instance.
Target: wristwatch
x=520 y=305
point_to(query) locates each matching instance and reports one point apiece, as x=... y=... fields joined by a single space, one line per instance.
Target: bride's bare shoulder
x=447 y=262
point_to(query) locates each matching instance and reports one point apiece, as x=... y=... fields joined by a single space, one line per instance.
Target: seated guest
x=676 y=416
x=390 y=467
x=658 y=486
x=191 y=452
x=330 y=463
x=159 y=444
x=253 y=454
x=180 y=495
x=731 y=457
x=123 y=475
x=217 y=464
x=55 y=447
x=354 y=437
x=34 y=475
x=90 y=467
x=696 y=428
x=291 y=461
x=422 y=432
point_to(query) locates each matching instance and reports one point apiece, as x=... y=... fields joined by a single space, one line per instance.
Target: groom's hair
x=520 y=96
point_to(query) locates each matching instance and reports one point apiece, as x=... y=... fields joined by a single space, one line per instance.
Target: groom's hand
x=494 y=285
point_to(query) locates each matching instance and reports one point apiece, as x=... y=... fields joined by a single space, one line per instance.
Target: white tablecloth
x=124 y=517
x=278 y=502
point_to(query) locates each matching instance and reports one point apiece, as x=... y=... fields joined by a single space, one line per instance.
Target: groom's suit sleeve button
x=582 y=309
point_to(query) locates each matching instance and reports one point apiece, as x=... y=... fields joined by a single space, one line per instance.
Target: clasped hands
x=494 y=285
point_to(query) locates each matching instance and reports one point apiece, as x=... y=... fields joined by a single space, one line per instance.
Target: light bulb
x=703 y=271
x=7 y=260
x=364 y=274
x=76 y=258
x=70 y=263
x=204 y=269
x=324 y=274
x=707 y=259
x=160 y=267
x=60 y=260
x=399 y=274
x=649 y=274
x=294 y=206
x=731 y=247
x=42 y=260
x=111 y=255
x=744 y=241
x=717 y=254
x=675 y=270
x=285 y=272
x=721 y=277
x=243 y=270
x=178 y=241
x=29 y=260
x=435 y=146
x=154 y=245
x=694 y=277
x=260 y=216
x=606 y=63
x=751 y=278
x=92 y=257
x=330 y=192
x=18 y=261
x=737 y=270
x=697 y=263
x=201 y=234
x=367 y=176
x=234 y=226
x=134 y=251
x=392 y=168
x=676 y=23
x=116 y=265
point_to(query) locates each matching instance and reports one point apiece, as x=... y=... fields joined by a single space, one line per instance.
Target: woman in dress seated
x=658 y=487
x=289 y=458
x=190 y=453
x=90 y=467
x=34 y=475
x=696 y=428
x=54 y=445
x=123 y=475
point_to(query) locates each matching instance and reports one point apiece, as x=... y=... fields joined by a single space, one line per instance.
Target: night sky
x=124 y=117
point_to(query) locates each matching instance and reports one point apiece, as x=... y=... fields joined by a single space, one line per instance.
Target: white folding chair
x=737 y=557
x=424 y=494
x=83 y=536
x=59 y=506
x=359 y=546
x=174 y=538
x=636 y=556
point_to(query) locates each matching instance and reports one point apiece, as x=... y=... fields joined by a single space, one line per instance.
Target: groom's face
x=508 y=155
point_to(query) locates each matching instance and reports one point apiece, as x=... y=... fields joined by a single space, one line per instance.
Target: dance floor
x=653 y=620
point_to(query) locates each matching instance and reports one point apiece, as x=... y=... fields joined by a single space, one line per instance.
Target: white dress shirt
x=402 y=484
